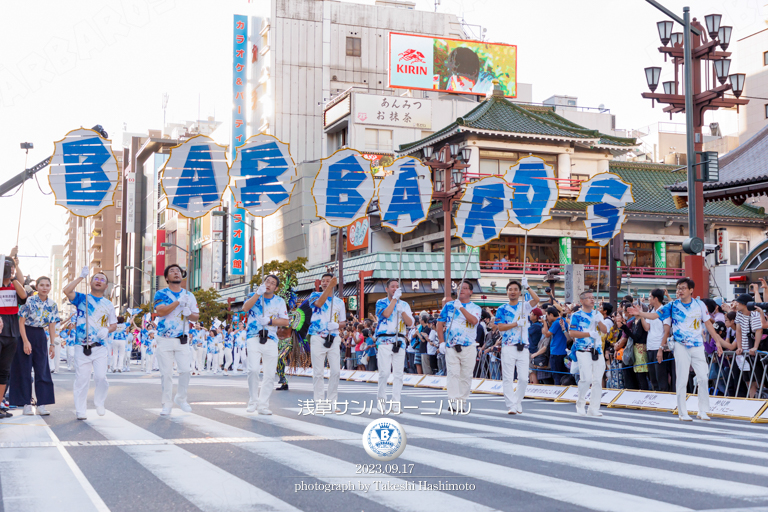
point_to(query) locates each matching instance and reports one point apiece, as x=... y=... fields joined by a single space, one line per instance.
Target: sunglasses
x=99 y=279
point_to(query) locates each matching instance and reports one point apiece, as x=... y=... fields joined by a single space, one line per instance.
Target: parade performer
x=284 y=348
x=685 y=318
x=150 y=351
x=201 y=349
x=394 y=317
x=240 y=360
x=175 y=307
x=459 y=335
x=586 y=326
x=513 y=321
x=210 y=349
x=119 y=338
x=38 y=315
x=266 y=312
x=325 y=339
x=90 y=352
x=228 y=346
x=12 y=295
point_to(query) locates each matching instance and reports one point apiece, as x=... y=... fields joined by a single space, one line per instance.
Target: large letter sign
x=536 y=191
x=263 y=173
x=195 y=176
x=604 y=220
x=343 y=188
x=483 y=211
x=83 y=173
x=405 y=195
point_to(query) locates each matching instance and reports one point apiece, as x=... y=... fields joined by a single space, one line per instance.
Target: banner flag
x=483 y=211
x=405 y=195
x=343 y=188
x=536 y=192
x=604 y=219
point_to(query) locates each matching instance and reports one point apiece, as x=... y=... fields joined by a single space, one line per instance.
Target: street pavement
x=220 y=458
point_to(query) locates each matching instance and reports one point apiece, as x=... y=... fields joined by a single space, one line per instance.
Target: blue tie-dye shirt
x=39 y=313
x=387 y=327
x=173 y=324
x=240 y=339
x=274 y=308
x=120 y=333
x=461 y=332
x=584 y=322
x=228 y=340
x=509 y=314
x=686 y=321
x=321 y=316
x=101 y=313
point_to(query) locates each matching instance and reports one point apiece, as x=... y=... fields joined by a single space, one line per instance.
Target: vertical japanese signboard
x=217 y=248
x=565 y=250
x=160 y=253
x=239 y=79
x=660 y=257
x=130 y=202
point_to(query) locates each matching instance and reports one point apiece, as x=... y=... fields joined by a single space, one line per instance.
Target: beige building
x=752 y=54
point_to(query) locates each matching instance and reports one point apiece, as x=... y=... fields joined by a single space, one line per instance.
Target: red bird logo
x=412 y=56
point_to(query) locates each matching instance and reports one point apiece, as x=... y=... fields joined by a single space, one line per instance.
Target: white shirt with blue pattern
x=322 y=316
x=509 y=314
x=173 y=324
x=461 y=331
x=686 y=321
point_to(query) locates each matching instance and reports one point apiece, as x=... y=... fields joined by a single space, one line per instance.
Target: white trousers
x=590 y=372
x=169 y=349
x=512 y=359
x=56 y=358
x=239 y=358
x=265 y=355
x=319 y=353
x=118 y=354
x=96 y=362
x=209 y=360
x=200 y=358
x=390 y=362
x=150 y=361
x=227 y=358
x=459 y=368
x=71 y=357
x=685 y=358
x=144 y=357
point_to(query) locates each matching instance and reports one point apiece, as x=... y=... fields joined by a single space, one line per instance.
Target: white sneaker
x=580 y=411
x=183 y=405
x=101 y=411
x=265 y=412
x=519 y=408
x=685 y=417
x=595 y=413
x=251 y=408
x=81 y=416
x=703 y=416
x=512 y=411
x=42 y=411
x=166 y=410
x=28 y=410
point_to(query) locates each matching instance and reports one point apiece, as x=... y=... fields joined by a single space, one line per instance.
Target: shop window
x=738 y=251
x=378 y=140
x=353 y=47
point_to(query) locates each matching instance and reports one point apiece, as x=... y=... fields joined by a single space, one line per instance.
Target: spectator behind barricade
x=730 y=342
x=538 y=347
x=640 y=353
x=606 y=309
x=749 y=332
x=662 y=372
x=370 y=350
x=557 y=343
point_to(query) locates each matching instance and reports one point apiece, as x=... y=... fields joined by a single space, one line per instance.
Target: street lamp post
x=448 y=170
x=689 y=49
x=189 y=256
x=628 y=257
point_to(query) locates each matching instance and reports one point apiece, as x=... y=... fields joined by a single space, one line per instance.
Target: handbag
x=628 y=357
x=364 y=360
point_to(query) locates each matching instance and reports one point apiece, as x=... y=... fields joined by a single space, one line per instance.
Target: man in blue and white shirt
x=90 y=352
x=586 y=326
x=266 y=312
x=393 y=316
x=240 y=357
x=457 y=327
x=686 y=318
x=324 y=338
x=175 y=308
x=512 y=319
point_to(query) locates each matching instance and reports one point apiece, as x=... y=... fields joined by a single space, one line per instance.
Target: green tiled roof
x=416 y=266
x=549 y=113
x=648 y=181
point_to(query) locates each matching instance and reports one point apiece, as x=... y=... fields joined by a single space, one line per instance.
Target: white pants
x=169 y=349
x=144 y=357
x=459 y=367
x=71 y=357
x=127 y=355
x=265 y=354
x=227 y=358
x=118 y=354
x=200 y=358
x=209 y=361
x=150 y=361
x=97 y=362
x=685 y=358
x=390 y=362
x=512 y=359
x=56 y=358
x=239 y=358
x=319 y=353
x=590 y=372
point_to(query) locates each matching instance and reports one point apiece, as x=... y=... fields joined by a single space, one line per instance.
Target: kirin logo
x=413 y=57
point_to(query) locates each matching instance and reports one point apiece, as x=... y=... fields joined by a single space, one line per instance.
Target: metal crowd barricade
x=726 y=372
x=489 y=367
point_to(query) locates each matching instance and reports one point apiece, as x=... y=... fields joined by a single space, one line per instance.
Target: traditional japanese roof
x=648 y=183
x=743 y=172
x=499 y=116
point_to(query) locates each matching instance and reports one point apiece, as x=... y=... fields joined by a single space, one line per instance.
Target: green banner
x=565 y=250
x=660 y=257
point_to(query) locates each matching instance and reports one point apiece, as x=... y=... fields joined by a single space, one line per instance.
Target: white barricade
x=346 y=374
x=544 y=391
x=651 y=400
x=434 y=381
x=362 y=376
x=411 y=379
x=725 y=407
x=572 y=394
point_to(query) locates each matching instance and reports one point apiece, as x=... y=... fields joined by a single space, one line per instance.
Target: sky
x=64 y=65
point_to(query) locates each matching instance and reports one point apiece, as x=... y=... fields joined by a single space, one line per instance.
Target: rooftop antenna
x=437 y=2
x=165 y=105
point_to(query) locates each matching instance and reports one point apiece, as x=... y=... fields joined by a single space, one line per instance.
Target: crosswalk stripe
x=712 y=427
x=587 y=496
x=651 y=475
x=192 y=477
x=318 y=465
x=604 y=432
x=724 y=423
x=23 y=470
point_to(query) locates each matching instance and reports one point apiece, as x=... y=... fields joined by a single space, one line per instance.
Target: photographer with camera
x=586 y=326
x=513 y=322
x=266 y=312
x=324 y=338
x=175 y=308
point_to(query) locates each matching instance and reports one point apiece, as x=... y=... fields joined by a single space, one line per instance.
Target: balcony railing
x=516 y=267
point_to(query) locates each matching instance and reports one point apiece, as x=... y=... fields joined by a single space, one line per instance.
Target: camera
x=762 y=305
x=552 y=276
x=547 y=290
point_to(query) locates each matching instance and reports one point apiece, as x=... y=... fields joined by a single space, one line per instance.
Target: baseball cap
x=719 y=301
x=538 y=312
x=744 y=298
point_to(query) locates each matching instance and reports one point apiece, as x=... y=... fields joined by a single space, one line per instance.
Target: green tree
x=208 y=301
x=285 y=270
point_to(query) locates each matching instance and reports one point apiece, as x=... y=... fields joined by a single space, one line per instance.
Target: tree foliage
x=210 y=307
x=285 y=270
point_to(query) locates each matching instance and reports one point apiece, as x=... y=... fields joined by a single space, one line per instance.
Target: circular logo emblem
x=384 y=439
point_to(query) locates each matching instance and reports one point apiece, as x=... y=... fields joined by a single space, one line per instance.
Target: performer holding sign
x=393 y=317
x=327 y=318
x=90 y=350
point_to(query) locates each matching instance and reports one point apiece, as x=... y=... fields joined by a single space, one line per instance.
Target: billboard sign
x=458 y=66
x=357 y=234
x=393 y=111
